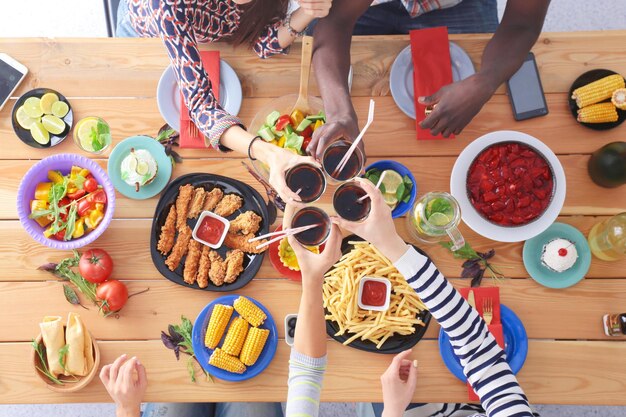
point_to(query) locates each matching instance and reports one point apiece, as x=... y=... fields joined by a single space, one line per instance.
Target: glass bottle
x=607 y=239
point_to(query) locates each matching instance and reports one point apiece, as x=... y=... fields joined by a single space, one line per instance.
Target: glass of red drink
x=333 y=155
x=349 y=203
x=308 y=216
x=307 y=178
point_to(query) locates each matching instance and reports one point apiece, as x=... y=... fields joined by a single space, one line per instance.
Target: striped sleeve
x=305 y=385
x=484 y=362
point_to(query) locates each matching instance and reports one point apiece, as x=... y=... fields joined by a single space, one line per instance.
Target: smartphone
x=12 y=73
x=525 y=91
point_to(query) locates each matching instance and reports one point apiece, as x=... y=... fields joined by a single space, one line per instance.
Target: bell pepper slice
x=296 y=117
x=79 y=228
x=55 y=177
x=282 y=122
x=42 y=191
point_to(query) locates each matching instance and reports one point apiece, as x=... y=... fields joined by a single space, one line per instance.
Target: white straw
x=289 y=232
x=344 y=160
x=380 y=181
x=279 y=232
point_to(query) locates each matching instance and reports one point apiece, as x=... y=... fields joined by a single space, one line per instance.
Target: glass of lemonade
x=434 y=217
x=92 y=134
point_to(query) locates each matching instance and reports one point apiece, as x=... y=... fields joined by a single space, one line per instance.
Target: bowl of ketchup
x=374 y=294
x=211 y=229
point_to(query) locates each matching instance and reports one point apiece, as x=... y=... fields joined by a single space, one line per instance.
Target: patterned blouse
x=419 y=7
x=182 y=24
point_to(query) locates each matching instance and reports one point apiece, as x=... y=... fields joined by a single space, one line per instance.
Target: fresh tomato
x=90 y=185
x=114 y=295
x=305 y=143
x=307 y=132
x=77 y=194
x=84 y=206
x=60 y=235
x=95 y=265
x=64 y=202
x=98 y=196
x=282 y=121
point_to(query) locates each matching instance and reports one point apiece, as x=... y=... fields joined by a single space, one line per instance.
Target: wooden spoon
x=302 y=103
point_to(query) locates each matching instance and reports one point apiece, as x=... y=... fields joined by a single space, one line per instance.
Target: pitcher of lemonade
x=607 y=239
x=434 y=217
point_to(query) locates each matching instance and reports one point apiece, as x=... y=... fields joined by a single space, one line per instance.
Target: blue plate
x=547 y=277
x=158 y=152
x=515 y=345
x=384 y=164
x=203 y=353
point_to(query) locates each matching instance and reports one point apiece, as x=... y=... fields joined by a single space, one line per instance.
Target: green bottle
x=607 y=165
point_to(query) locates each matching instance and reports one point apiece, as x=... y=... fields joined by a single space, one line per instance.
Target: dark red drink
x=333 y=155
x=308 y=179
x=347 y=205
x=308 y=216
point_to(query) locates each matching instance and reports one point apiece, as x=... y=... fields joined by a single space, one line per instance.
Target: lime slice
x=60 y=109
x=438 y=219
x=23 y=119
x=47 y=100
x=85 y=128
x=132 y=163
x=142 y=168
x=391 y=181
x=39 y=133
x=439 y=205
x=391 y=200
x=53 y=124
x=32 y=107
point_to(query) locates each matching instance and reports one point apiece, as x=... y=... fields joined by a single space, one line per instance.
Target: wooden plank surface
x=547 y=376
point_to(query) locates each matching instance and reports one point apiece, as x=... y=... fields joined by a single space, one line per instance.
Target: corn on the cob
x=249 y=311
x=235 y=337
x=253 y=345
x=223 y=360
x=598 y=113
x=598 y=90
x=619 y=98
x=217 y=324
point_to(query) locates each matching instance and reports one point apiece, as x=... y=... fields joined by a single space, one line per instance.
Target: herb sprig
x=476 y=264
x=178 y=339
x=64 y=271
x=44 y=363
x=168 y=137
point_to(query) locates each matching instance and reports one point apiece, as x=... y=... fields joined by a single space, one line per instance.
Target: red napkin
x=211 y=63
x=480 y=294
x=432 y=70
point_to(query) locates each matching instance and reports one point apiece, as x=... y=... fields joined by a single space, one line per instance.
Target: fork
x=488 y=310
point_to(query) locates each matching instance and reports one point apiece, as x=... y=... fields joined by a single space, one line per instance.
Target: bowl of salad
x=65 y=201
x=278 y=124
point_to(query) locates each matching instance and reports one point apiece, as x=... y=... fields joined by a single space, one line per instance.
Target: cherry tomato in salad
x=98 y=196
x=307 y=133
x=77 y=194
x=60 y=235
x=95 y=265
x=84 y=206
x=282 y=121
x=114 y=295
x=90 y=185
x=305 y=143
x=64 y=202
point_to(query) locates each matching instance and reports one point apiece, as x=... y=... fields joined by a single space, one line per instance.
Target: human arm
x=458 y=103
x=126 y=382
x=331 y=59
x=398 y=382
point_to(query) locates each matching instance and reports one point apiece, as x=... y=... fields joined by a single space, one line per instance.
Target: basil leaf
x=70 y=295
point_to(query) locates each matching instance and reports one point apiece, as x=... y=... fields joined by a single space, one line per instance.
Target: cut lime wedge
x=47 y=100
x=23 y=119
x=142 y=168
x=438 y=219
x=39 y=133
x=53 y=124
x=60 y=109
x=32 y=107
x=391 y=181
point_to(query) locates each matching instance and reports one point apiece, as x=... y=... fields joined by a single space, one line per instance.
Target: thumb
x=430 y=100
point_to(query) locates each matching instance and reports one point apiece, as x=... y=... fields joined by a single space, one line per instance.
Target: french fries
x=341 y=287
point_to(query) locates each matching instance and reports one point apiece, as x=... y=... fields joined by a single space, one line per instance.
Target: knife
x=471 y=300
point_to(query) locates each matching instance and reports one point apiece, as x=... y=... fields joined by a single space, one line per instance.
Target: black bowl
x=395 y=344
x=251 y=201
x=586 y=78
x=24 y=134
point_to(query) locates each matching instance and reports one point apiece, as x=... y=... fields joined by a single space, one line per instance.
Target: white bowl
x=203 y=215
x=484 y=227
x=385 y=306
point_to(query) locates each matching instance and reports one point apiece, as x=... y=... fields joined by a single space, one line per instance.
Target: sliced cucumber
x=304 y=124
x=266 y=134
x=288 y=130
x=318 y=116
x=271 y=118
x=277 y=133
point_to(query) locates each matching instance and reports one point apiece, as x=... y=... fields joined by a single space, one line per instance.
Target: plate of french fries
x=391 y=331
x=597 y=99
x=234 y=338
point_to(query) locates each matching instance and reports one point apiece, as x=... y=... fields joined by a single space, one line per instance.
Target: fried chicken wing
x=192 y=261
x=235 y=241
x=228 y=205
x=246 y=223
x=180 y=248
x=197 y=202
x=212 y=198
x=204 y=268
x=185 y=192
x=217 y=272
x=168 y=232
x=234 y=265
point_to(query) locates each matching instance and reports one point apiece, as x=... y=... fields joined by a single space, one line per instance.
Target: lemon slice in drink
x=84 y=133
x=60 y=109
x=391 y=181
x=142 y=168
x=438 y=219
x=53 y=124
x=32 y=107
x=39 y=133
x=47 y=100
x=23 y=119
x=391 y=200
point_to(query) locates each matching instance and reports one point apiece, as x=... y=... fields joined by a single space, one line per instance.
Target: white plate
x=481 y=225
x=168 y=94
x=401 y=76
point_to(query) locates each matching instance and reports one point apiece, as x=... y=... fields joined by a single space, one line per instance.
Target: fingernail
x=415 y=363
x=123 y=355
x=134 y=358
x=138 y=361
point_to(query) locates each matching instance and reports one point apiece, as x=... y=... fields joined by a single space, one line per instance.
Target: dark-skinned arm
x=331 y=59
x=458 y=103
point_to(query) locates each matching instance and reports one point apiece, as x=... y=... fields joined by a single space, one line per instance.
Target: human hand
x=378 y=227
x=399 y=381
x=126 y=382
x=456 y=105
x=316 y=8
x=330 y=132
x=279 y=161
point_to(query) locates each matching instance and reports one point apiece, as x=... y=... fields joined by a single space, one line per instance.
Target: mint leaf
x=400 y=191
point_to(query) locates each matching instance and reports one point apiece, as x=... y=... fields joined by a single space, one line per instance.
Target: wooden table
x=570 y=360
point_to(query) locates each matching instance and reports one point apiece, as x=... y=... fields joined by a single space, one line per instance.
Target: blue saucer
x=547 y=277
x=515 y=345
x=402 y=208
x=203 y=353
x=158 y=152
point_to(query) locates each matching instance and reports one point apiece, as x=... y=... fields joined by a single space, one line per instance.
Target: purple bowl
x=39 y=173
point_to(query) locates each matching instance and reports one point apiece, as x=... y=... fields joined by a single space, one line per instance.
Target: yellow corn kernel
x=598 y=90
x=253 y=346
x=598 y=113
x=249 y=311
x=235 y=337
x=220 y=316
x=223 y=360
